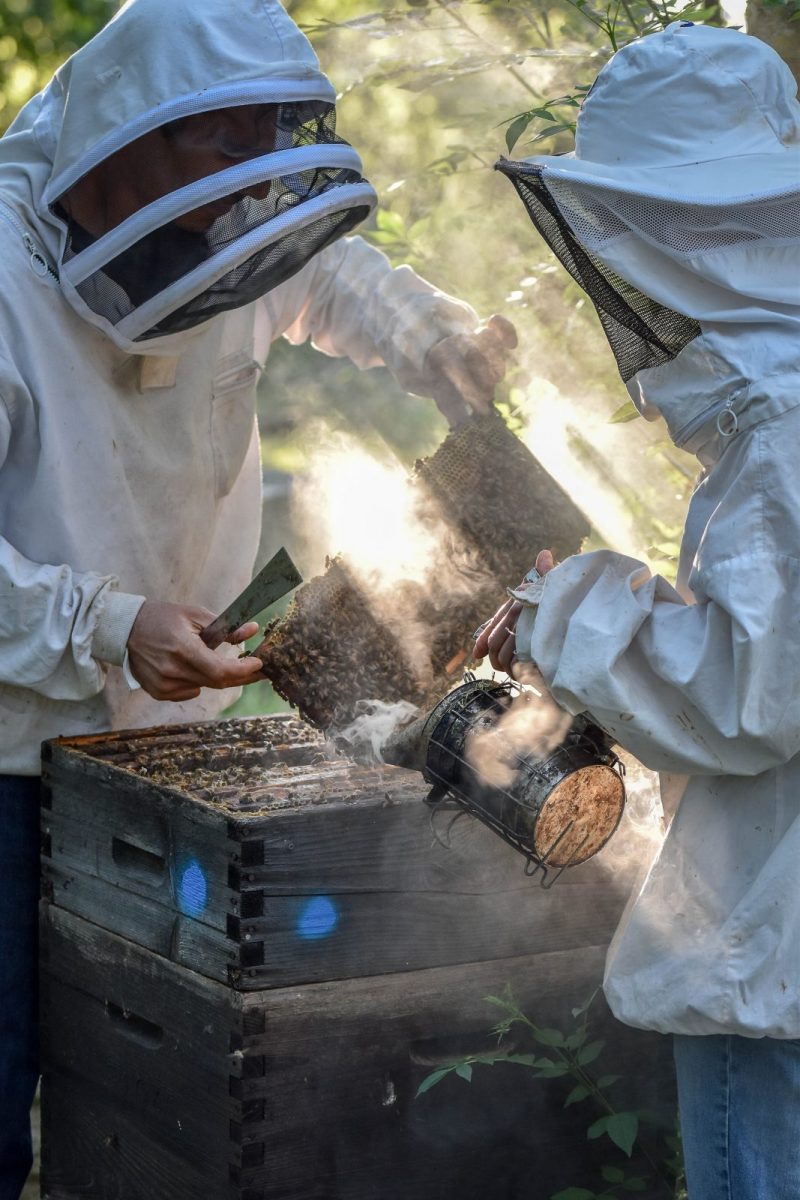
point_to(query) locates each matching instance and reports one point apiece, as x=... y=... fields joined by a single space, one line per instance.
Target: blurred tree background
x=431 y=92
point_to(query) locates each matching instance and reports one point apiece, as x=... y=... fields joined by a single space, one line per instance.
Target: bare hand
x=498 y=637
x=464 y=369
x=171 y=662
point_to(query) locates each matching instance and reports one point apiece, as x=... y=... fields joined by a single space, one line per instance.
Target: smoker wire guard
x=446 y=729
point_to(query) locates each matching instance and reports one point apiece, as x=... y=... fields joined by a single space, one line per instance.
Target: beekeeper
x=172 y=202
x=679 y=214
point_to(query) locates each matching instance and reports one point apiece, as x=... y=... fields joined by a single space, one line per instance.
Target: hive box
x=253 y=953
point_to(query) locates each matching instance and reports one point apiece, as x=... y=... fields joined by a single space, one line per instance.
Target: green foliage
x=572 y=1053
x=519 y=124
x=626 y=412
x=35 y=37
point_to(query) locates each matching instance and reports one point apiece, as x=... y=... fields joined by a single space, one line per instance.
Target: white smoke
x=366 y=736
x=533 y=724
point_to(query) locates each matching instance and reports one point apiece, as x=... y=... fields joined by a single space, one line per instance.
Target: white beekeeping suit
x=679 y=213
x=129 y=456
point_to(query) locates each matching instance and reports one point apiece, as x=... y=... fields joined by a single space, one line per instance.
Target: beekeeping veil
x=239 y=117
x=679 y=215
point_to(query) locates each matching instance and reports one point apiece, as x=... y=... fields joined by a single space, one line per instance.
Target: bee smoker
x=557 y=810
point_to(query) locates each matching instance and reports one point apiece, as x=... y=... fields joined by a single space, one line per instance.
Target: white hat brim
x=745 y=179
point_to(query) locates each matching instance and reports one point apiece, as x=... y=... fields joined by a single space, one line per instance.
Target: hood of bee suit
x=679 y=215
x=282 y=198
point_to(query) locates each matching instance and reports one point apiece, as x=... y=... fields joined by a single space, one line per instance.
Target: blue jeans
x=739 y=1104
x=19 y=1051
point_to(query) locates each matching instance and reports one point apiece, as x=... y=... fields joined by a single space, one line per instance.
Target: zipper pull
x=727 y=421
x=38 y=263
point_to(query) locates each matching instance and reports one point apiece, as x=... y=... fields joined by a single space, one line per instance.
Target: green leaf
x=546 y=133
x=606 y=1080
x=431 y=1080
x=548 y=1037
x=589 y=1053
x=516 y=129
x=622 y=1129
x=464 y=1071
x=576 y=1039
x=635 y=1184
x=553 y=1071
x=597 y=1129
x=626 y=412
x=612 y=1174
x=390 y=222
x=505 y=1000
x=577 y=1094
x=525 y=1060
x=701 y=13
x=574 y=1193
x=382 y=237
x=543 y=113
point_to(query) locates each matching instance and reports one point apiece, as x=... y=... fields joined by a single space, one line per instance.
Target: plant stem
x=661 y=15
x=631 y=18
x=589 y=16
x=577 y=1072
x=513 y=72
x=544 y=34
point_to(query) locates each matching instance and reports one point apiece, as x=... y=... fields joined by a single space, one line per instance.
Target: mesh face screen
x=641 y=332
x=686 y=230
x=212 y=226
x=264 y=271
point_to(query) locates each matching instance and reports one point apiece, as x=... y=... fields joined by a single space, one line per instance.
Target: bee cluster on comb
x=491 y=506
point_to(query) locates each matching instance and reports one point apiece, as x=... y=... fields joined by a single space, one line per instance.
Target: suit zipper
x=38 y=262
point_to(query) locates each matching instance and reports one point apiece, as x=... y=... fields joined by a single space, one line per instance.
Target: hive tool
x=273 y=581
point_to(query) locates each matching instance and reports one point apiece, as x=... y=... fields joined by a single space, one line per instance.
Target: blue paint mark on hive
x=192 y=890
x=318 y=918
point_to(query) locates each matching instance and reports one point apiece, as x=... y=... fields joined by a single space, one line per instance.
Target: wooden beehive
x=254 y=952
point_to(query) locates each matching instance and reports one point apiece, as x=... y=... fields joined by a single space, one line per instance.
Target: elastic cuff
x=523 y=636
x=111 y=633
x=128 y=675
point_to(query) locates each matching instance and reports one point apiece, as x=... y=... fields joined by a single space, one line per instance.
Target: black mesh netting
x=641 y=332
x=171 y=252
x=260 y=273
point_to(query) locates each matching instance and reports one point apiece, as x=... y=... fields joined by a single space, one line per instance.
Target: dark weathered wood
x=160 y=1084
x=374 y=933
x=406 y=893
x=92 y=1149
x=184 y=1058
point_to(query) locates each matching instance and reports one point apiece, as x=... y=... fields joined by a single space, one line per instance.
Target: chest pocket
x=233 y=409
